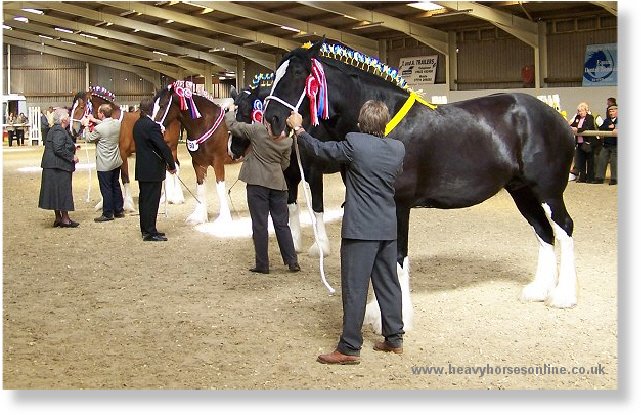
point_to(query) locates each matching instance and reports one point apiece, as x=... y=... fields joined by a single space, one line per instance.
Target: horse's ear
x=315 y=49
x=233 y=93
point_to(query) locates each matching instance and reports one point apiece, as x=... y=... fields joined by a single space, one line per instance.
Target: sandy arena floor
x=97 y=308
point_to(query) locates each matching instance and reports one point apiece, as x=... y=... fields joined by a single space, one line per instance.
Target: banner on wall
x=417 y=70
x=600 y=67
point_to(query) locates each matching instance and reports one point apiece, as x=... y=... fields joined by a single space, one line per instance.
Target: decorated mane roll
x=102 y=92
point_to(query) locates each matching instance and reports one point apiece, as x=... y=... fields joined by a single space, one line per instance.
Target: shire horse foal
x=457 y=155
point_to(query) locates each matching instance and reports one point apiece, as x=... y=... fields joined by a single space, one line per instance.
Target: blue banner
x=600 y=67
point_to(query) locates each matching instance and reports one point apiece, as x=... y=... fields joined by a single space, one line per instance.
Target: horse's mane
x=360 y=61
x=102 y=92
x=262 y=79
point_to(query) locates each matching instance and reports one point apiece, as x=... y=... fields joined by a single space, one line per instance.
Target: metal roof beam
x=523 y=29
x=222 y=62
x=436 y=39
x=150 y=10
x=167 y=70
x=261 y=58
x=367 y=45
x=612 y=7
x=136 y=52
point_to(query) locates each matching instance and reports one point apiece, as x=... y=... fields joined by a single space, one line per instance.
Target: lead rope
x=313 y=218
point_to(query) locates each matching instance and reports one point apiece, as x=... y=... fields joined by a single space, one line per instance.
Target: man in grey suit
x=368 y=247
x=106 y=135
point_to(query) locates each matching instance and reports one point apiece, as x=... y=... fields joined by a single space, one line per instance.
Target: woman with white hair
x=585 y=146
x=58 y=164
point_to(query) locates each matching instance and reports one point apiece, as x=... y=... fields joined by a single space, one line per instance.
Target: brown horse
x=85 y=103
x=207 y=141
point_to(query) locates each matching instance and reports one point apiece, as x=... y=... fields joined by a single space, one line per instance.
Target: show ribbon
x=404 y=110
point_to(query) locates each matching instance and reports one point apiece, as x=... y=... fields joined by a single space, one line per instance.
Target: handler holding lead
x=368 y=246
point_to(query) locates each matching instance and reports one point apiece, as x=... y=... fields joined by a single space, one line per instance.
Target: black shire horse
x=250 y=104
x=457 y=155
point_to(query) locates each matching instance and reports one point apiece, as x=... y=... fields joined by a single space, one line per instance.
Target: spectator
x=11 y=129
x=152 y=157
x=44 y=126
x=585 y=146
x=49 y=114
x=21 y=127
x=106 y=135
x=368 y=246
x=609 y=151
x=267 y=192
x=58 y=164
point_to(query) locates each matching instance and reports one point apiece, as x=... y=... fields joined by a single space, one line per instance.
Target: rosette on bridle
x=257 y=112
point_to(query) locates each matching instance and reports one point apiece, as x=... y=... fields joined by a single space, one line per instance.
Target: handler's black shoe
x=294 y=267
x=154 y=238
x=119 y=214
x=260 y=271
x=103 y=218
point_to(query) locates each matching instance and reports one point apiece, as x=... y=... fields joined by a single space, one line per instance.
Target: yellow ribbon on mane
x=404 y=110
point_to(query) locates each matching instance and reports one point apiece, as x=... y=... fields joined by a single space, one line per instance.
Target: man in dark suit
x=152 y=157
x=368 y=246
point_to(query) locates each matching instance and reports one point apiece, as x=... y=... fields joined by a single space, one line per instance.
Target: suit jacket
x=373 y=164
x=106 y=135
x=153 y=155
x=609 y=141
x=588 y=124
x=267 y=159
x=59 y=150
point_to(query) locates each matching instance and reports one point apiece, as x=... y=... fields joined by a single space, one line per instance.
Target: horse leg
x=199 y=215
x=173 y=189
x=564 y=295
x=373 y=310
x=124 y=178
x=545 y=277
x=224 y=214
x=321 y=244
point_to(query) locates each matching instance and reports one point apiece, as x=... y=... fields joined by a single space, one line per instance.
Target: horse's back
x=461 y=154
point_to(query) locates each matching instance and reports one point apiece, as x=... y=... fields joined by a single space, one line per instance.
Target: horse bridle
x=279 y=74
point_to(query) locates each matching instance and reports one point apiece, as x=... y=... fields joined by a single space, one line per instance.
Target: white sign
x=418 y=70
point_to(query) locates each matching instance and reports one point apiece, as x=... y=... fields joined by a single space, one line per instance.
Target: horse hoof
x=315 y=252
x=561 y=300
x=373 y=317
x=534 y=292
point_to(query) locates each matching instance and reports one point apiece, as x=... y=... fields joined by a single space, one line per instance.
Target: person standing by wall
x=106 y=135
x=21 y=128
x=369 y=230
x=585 y=146
x=44 y=126
x=11 y=129
x=58 y=164
x=608 y=153
x=267 y=191
x=153 y=156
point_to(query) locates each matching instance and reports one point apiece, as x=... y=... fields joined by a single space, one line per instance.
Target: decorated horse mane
x=262 y=79
x=102 y=92
x=363 y=62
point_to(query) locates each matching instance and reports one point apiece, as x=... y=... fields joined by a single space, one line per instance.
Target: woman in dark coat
x=58 y=164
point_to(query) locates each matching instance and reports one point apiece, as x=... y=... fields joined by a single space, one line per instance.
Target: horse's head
x=166 y=108
x=249 y=109
x=289 y=89
x=80 y=107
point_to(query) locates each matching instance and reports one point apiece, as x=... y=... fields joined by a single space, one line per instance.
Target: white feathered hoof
x=129 y=206
x=98 y=205
x=314 y=251
x=373 y=317
x=560 y=298
x=534 y=292
x=223 y=220
x=198 y=216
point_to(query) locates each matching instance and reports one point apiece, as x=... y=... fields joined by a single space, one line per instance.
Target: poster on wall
x=600 y=67
x=418 y=70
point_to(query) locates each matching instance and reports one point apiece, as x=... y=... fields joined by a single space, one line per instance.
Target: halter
x=314 y=84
